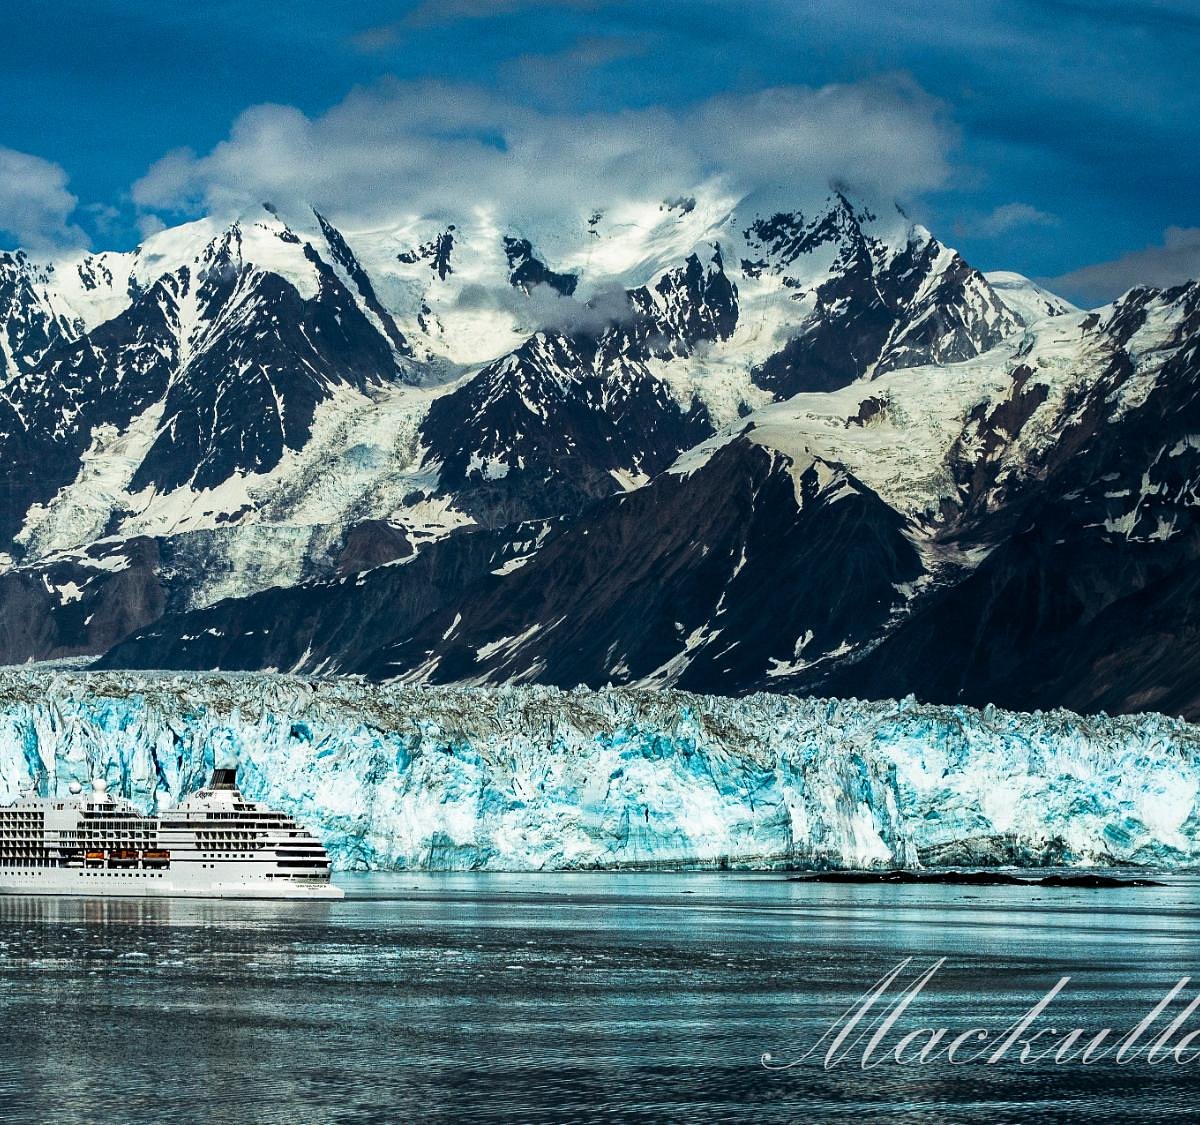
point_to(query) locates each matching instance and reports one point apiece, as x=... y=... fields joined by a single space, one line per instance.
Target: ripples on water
x=565 y=998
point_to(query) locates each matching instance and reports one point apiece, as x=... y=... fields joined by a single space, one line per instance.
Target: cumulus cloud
x=434 y=149
x=1175 y=261
x=1012 y=216
x=35 y=205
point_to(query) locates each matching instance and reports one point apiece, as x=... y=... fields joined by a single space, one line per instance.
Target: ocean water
x=429 y=998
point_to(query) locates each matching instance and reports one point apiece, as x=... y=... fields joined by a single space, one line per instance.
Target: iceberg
x=535 y=778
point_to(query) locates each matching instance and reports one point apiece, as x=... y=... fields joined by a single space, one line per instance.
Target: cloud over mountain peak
x=434 y=148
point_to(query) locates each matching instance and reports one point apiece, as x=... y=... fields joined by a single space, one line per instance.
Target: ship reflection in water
x=69 y=910
x=550 y=998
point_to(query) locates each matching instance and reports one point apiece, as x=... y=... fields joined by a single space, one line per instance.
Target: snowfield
x=534 y=778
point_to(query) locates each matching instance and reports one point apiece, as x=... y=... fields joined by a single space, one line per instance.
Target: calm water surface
x=570 y=998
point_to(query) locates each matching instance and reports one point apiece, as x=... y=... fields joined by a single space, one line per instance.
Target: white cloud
x=545 y=310
x=435 y=150
x=150 y=225
x=1012 y=216
x=1176 y=261
x=35 y=205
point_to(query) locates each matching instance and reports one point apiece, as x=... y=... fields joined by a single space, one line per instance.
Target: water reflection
x=559 y=998
x=45 y=910
x=157 y=911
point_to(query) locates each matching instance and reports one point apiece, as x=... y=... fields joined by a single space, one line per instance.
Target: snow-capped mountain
x=29 y=321
x=1026 y=300
x=688 y=443
x=878 y=294
x=203 y=378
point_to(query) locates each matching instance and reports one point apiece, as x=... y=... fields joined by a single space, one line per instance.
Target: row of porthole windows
x=103 y=874
x=123 y=874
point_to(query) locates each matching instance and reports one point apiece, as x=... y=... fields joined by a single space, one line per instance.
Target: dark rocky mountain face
x=526 y=270
x=704 y=581
x=259 y=361
x=82 y=604
x=237 y=360
x=1086 y=600
x=570 y=417
x=684 y=308
x=29 y=324
x=108 y=377
x=718 y=577
x=549 y=428
x=330 y=626
x=878 y=308
x=344 y=257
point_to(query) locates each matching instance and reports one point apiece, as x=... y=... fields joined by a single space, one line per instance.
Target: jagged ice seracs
x=534 y=778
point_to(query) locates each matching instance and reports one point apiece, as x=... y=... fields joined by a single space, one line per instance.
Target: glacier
x=535 y=778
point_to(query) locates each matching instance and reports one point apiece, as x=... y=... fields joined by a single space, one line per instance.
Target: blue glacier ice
x=528 y=778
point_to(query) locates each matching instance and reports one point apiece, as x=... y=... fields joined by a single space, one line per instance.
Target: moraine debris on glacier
x=534 y=778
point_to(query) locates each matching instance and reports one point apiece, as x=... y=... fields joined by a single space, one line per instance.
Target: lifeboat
x=93 y=859
x=123 y=857
x=154 y=858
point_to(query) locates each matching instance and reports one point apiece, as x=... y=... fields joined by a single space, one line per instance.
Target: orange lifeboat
x=93 y=859
x=154 y=858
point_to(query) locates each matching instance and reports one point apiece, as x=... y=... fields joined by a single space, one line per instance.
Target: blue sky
x=1060 y=138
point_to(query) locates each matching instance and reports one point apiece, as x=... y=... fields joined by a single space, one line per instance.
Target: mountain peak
x=1026 y=299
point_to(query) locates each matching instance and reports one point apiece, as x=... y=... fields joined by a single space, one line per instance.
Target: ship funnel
x=223 y=778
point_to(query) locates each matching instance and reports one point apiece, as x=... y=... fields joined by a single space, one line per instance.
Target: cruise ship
x=214 y=844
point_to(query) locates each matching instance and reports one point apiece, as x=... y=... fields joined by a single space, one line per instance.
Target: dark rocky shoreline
x=970 y=879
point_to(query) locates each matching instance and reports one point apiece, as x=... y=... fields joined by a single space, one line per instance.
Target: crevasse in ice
x=520 y=778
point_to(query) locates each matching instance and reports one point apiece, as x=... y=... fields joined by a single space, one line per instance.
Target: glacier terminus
x=536 y=778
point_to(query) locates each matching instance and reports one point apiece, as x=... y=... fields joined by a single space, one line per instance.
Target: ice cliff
x=535 y=778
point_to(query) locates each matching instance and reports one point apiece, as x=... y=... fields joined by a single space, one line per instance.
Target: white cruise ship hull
x=144 y=884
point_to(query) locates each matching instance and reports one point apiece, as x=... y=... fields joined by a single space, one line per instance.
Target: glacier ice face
x=532 y=778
